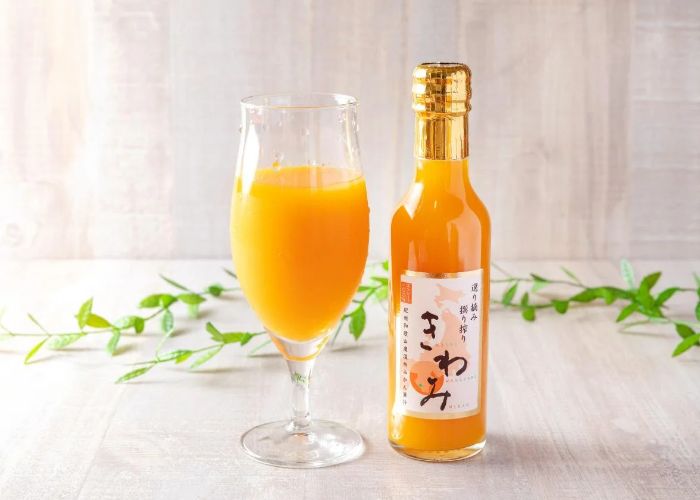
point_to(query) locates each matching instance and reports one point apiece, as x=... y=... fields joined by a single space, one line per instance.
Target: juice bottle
x=440 y=250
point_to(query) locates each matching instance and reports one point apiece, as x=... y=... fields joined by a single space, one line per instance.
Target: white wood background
x=119 y=118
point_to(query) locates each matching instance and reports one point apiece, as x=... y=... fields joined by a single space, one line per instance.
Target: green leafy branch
x=205 y=353
x=641 y=306
x=377 y=288
x=356 y=319
x=92 y=324
x=638 y=301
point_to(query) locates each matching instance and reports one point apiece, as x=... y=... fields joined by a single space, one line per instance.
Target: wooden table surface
x=576 y=409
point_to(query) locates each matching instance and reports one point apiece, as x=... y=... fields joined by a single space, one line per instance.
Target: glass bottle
x=440 y=262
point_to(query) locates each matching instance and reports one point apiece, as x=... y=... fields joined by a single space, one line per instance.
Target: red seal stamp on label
x=406 y=292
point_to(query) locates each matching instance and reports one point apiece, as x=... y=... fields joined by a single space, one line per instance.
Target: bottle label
x=438 y=336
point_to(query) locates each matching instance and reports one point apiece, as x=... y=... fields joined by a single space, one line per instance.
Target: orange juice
x=299 y=242
x=440 y=250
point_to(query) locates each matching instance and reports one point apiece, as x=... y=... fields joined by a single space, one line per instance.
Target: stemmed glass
x=299 y=235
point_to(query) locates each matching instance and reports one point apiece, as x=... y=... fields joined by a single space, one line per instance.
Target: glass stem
x=300 y=373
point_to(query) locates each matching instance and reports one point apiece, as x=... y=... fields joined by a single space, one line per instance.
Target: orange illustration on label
x=448 y=294
x=423 y=373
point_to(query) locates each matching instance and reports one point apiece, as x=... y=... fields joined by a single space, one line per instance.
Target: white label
x=438 y=351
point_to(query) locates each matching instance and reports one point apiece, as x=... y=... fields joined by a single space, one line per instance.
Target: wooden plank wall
x=119 y=118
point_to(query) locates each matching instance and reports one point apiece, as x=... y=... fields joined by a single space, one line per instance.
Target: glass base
x=441 y=456
x=320 y=444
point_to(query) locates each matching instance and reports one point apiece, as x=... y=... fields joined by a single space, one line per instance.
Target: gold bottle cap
x=442 y=88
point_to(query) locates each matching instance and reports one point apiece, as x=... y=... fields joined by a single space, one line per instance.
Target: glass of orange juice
x=299 y=235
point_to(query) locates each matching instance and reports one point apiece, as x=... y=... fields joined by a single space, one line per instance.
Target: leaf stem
x=61 y=334
x=258 y=347
x=627 y=326
x=361 y=304
x=338 y=329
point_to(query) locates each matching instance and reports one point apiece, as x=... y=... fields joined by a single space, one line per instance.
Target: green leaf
x=214 y=332
x=619 y=293
x=665 y=295
x=364 y=288
x=34 y=350
x=236 y=337
x=686 y=344
x=385 y=266
x=166 y=300
x=697 y=311
x=561 y=306
x=134 y=373
x=124 y=322
x=525 y=299
x=191 y=298
x=179 y=354
x=684 y=330
x=97 y=321
x=113 y=341
x=538 y=284
x=509 y=294
x=193 y=310
x=529 y=314
x=380 y=279
x=215 y=290
x=626 y=311
x=645 y=299
x=183 y=357
x=84 y=313
x=60 y=341
x=150 y=301
x=606 y=295
x=588 y=295
x=650 y=280
x=139 y=324
x=571 y=275
x=644 y=296
x=206 y=357
x=627 y=272
x=358 y=320
x=167 y=322
x=174 y=283
x=232 y=337
x=230 y=273
x=381 y=293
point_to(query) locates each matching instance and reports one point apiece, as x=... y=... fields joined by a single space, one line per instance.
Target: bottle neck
x=441 y=176
x=441 y=136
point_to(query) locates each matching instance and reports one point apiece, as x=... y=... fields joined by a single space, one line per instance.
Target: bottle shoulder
x=440 y=233
x=421 y=205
